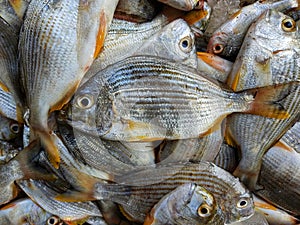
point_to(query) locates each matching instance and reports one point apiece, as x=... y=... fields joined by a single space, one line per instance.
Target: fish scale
x=137 y=195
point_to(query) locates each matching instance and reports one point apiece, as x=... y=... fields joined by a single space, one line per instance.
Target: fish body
x=187 y=204
x=137 y=195
x=24 y=211
x=67 y=211
x=280 y=178
x=227 y=158
x=185 y=5
x=274 y=215
x=256 y=219
x=9 y=68
x=291 y=138
x=276 y=62
x=227 y=39
x=122 y=102
x=57 y=45
x=124 y=37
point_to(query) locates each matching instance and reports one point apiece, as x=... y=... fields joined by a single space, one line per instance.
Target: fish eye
x=242 y=203
x=53 y=220
x=185 y=44
x=288 y=24
x=218 y=48
x=204 y=210
x=85 y=101
x=15 y=128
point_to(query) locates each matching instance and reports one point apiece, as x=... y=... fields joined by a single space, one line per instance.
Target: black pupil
x=185 y=43
x=51 y=221
x=204 y=211
x=243 y=203
x=85 y=102
x=218 y=48
x=15 y=128
x=288 y=24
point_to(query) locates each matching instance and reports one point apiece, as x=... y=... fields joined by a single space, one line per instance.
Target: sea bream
x=146 y=98
x=59 y=41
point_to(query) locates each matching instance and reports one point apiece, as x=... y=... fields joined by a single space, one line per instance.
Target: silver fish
x=274 y=215
x=56 y=44
x=185 y=5
x=25 y=211
x=228 y=38
x=122 y=40
x=188 y=204
x=121 y=102
x=137 y=195
x=67 y=211
x=256 y=219
x=267 y=57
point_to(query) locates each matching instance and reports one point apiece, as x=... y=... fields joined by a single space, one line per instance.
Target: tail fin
x=29 y=169
x=49 y=142
x=268 y=101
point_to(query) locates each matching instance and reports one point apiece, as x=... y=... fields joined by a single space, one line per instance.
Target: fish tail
x=268 y=101
x=49 y=143
x=29 y=169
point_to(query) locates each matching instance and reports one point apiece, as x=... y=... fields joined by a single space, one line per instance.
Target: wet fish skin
x=54 y=35
x=24 y=210
x=279 y=174
x=9 y=129
x=8 y=105
x=291 y=137
x=19 y=168
x=136 y=196
x=118 y=103
x=274 y=215
x=175 y=41
x=228 y=38
x=256 y=219
x=67 y=211
x=9 y=68
x=187 y=204
x=252 y=134
x=184 y=5
x=126 y=37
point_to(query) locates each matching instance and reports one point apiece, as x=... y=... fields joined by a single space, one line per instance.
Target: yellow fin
x=194 y=16
x=101 y=34
x=283 y=146
x=267 y=100
x=4 y=87
x=215 y=127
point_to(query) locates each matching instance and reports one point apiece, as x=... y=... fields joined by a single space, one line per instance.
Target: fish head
x=9 y=129
x=196 y=205
x=175 y=41
x=239 y=207
x=218 y=44
x=88 y=108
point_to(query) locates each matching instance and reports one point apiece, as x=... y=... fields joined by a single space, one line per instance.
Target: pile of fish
x=149 y=112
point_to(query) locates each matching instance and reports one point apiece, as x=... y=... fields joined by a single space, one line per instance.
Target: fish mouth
x=83 y=127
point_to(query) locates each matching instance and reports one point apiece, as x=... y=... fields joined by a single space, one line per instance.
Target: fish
x=213 y=66
x=121 y=102
x=291 y=137
x=187 y=204
x=8 y=105
x=25 y=211
x=69 y=212
x=254 y=135
x=8 y=151
x=185 y=5
x=256 y=219
x=9 y=68
x=13 y=12
x=57 y=45
x=279 y=174
x=137 y=195
x=125 y=37
x=175 y=41
x=136 y=11
x=227 y=158
x=194 y=150
x=227 y=39
x=9 y=129
x=274 y=215
x=19 y=168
